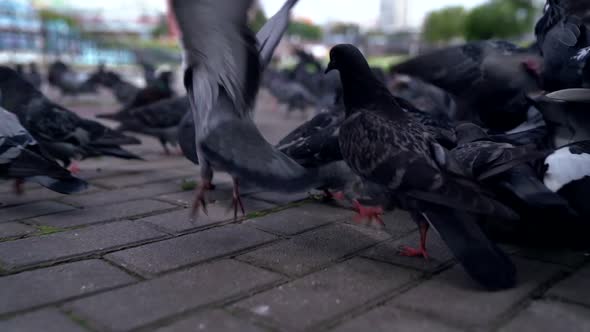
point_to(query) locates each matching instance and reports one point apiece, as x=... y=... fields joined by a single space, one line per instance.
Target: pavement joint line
x=81 y=322
x=443 y=266
x=215 y=304
x=124 y=269
x=259 y=320
x=75 y=258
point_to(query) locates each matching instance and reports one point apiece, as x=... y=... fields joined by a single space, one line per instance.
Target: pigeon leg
x=421 y=252
x=18 y=186
x=237 y=201
x=74 y=168
x=368 y=212
x=166 y=150
x=329 y=196
x=200 y=198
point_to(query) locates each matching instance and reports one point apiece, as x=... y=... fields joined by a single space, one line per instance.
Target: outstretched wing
x=271 y=33
x=220 y=50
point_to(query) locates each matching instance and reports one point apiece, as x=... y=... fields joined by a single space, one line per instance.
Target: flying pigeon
x=223 y=74
x=62 y=134
x=385 y=146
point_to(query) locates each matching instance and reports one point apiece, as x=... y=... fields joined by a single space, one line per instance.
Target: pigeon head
x=359 y=84
x=347 y=58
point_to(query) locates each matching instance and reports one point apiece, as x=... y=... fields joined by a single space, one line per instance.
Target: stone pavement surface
x=124 y=256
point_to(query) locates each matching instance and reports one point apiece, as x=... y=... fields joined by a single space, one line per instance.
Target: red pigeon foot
x=74 y=168
x=413 y=252
x=366 y=214
x=200 y=201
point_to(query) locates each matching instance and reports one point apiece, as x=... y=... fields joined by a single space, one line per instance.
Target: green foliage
x=46 y=230
x=188 y=185
x=345 y=28
x=258 y=21
x=445 y=24
x=304 y=30
x=500 y=19
x=47 y=15
x=161 y=29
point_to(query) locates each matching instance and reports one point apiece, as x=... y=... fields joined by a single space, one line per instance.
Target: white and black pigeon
x=61 y=133
x=566 y=114
x=567 y=172
x=21 y=159
x=224 y=64
x=386 y=146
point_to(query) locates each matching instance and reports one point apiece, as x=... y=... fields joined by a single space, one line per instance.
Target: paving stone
x=122 y=195
x=49 y=285
x=159 y=257
x=95 y=215
x=14 y=229
x=75 y=243
x=280 y=198
x=147 y=302
x=576 y=288
x=313 y=249
x=127 y=180
x=550 y=316
x=299 y=219
x=456 y=297
x=32 y=210
x=389 y=318
x=29 y=196
x=46 y=320
x=557 y=256
x=323 y=295
x=439 y=254
x=211 y=321
x=220 y=197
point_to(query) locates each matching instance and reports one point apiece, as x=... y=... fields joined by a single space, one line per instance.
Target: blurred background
x=128 y=32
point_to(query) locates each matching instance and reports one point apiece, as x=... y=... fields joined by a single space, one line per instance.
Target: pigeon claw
x=200 y=201
x=413 y=252
x=368 y=214
x=74 y=168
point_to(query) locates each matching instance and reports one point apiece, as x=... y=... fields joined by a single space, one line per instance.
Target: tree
x=162 y=29
x=500 y=19
x=445 y=24
x=304 y=30
x=258 y=21
x=345 y=28
x=47 y=15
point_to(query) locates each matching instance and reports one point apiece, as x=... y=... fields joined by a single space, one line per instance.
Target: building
x=393 y=16
x=20 y=27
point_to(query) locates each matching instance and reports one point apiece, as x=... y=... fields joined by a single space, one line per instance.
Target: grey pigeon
x=60 y=132
x=222 y=79
x=384 y=145
x=21 y=158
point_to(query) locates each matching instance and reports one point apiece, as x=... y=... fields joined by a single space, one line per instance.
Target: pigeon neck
x=361 y=89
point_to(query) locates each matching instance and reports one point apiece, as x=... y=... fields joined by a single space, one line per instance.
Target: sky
x=364 y=12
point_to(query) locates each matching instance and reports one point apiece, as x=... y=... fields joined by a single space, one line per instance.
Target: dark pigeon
x=123 y=90
x=68 y=81
x=384 y=145
x=60 y=132
x=160 y=120
x=488 y=79
x=21 y=158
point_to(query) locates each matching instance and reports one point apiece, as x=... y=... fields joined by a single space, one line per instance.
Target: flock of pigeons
x=469 y=139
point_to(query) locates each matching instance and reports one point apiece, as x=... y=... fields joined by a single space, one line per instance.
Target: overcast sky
x=320 y=11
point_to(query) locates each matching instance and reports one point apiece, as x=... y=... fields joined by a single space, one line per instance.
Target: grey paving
x=453 y=296
x=211 y=321
x=75 y=243
x=124 y=195
x=550 y=316
x=324 y=295
x=575 y=288
x=190 y=249
x=313 y=249
x=27 y=211
x=147 y=302
x=46 y=320
x=57 y=283
x=89 y=216
x=14 y=229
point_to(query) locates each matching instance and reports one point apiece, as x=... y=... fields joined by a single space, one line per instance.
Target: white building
x=393 y=15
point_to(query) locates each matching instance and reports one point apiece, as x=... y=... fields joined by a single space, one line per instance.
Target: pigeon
x=385 y=146
x=566 y=114
x=424 y=96
x=21 y=158
x=68 y=82
x=567 y=172
x=564 y=40
x=222 y=79
x=160 y=89
x=160 y=120
x=124 y=91
x=34 y=76
x=289 y=92
x=61 y=133
x=489 y=80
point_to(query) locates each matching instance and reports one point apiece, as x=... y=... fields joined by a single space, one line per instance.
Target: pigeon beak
x=331 y=66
